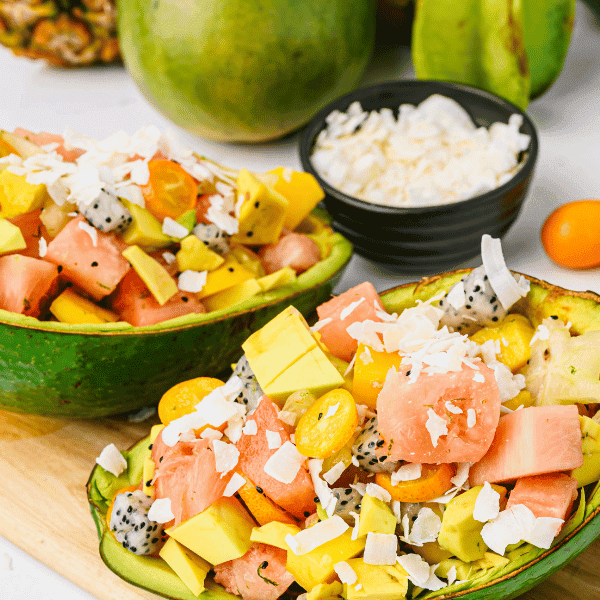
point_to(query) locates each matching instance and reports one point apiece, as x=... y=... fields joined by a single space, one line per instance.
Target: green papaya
x=512 y=48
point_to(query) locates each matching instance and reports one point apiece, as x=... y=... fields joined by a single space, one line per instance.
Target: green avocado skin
x=240 y=70
x=86 y=375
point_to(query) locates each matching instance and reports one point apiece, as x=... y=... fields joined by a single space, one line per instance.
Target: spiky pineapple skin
x=66 y=33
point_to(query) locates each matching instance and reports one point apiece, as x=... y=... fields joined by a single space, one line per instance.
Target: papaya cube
x=460 y=532
x=189 y=567
x=278 y=345
x=18 y=197
x=316 y=566
x=532 y=441
x=377 y=582
x=301 y=190
x=70 y=307
x=514 y=333
x=370 y=370
x=153 y=274
x=11 y=238
x=230 y=273
x=219 y=533
x=233 y=295
x=549 y=495
x=274 y=533
x=262 y=213
x=590 y=446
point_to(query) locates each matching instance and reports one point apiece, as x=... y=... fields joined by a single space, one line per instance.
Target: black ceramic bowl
x=432 y=238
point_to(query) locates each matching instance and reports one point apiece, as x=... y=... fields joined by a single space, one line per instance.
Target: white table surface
x=100 y=101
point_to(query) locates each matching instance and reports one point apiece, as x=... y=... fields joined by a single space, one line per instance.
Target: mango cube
x=262 y=213
x=11 y=238
x=18 y=197
x=195 y=255
x=277 y=279
x=70 y=307
x=230 y=273
x=316 y=566
x=514 y=333
x=189 y=567
x=148 y=476
x=375 y=516
x=247 y=259
x=376 y=582
x=274 y=533
x=233 y=295
x=153 y=274
x=217 y=534
x=325 y=591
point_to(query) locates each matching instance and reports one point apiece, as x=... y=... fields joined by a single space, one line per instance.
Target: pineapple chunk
x=514 y=333
x=55 y=217
x=18 y=197
x=262 y=213
x=70 y=307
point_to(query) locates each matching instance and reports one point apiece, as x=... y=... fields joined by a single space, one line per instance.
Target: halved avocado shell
x=56 y=369
x=520 y=575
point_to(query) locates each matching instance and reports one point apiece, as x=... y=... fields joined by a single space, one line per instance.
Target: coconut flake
x=456 y=296
x=226 y=457
x=502 y=531
x=285 y=463
x=479 y=378
x=169 y=257
x=346 y=312
x=174 y=229
x=91 y=231
x=541 y=333
x=320 y=324
x=487 y=504
x=425 y=528
x=376 y=491
x=418 y=570
x=543 y=532
x=288 y=417
x=332 y=410
x=407 y=472
x=452 y=408
x=380 y=549
x=471 y=417
x=192 y=281
x=142 y=415
x=334 y=473
x=325 y=495
x=500 y=278
x=365 y=356
x=345 y=572
x=112 y=460
x=235 y=483
x=160 y=511
x=176 y=428
x=42 y=246
x=317 y=535
x=436 y=426
x=355 y=529
x=273 y=439
x=462 y=474
x=211 y=434
x=250 y=428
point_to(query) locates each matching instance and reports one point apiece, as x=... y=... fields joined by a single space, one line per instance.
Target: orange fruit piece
x=434 y=482
x=327 y=425
x=182 y=398
x=170 y=191
x=263 y=509
x=570 y=235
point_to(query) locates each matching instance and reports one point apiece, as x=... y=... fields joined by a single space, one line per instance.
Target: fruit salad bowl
x=507 y=573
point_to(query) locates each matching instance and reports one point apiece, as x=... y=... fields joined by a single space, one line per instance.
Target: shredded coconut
x=192 y=281
x=112 y=460
x=160 y=511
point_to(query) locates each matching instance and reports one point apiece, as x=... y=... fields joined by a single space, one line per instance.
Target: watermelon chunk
x=549 y=495
x=296 y=497
x=293 y=250
x=26 y=284
x=135 y=303
x=95 y=269
x=247 y=577
x=32 y=229
x=334 y=334
x=409 y=427
x=186 y=474
x=43 y=138
x=532 y=441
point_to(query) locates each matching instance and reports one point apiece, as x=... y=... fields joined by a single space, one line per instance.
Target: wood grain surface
x=44 y=467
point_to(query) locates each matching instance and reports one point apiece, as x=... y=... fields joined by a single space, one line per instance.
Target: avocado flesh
x=64 y=370
x=508 y=581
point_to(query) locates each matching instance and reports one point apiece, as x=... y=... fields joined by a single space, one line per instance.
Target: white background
x=100 y=101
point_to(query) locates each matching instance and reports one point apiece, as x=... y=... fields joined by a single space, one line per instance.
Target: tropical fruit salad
x=140 y=229
x=372 y=456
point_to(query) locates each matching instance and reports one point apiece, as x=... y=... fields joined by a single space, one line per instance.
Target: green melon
x=58 y=369
x=245 y=71
x=528 y=567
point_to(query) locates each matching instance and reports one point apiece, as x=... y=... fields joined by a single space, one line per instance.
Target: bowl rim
x=310 y=132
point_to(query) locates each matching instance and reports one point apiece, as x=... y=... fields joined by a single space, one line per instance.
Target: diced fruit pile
x=141 y=230
x=374 y=456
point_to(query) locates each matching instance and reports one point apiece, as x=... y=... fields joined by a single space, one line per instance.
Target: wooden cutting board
x=44 y=467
